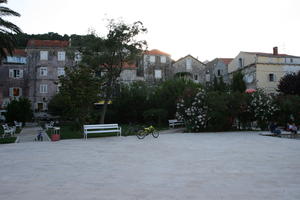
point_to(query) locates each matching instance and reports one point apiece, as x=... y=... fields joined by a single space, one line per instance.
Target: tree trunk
x=103 y=113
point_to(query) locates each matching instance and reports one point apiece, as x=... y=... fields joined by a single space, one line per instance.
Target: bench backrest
x=92 y=128
x=5 y=127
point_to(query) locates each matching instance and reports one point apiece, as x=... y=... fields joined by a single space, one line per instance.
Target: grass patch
x=7 y=140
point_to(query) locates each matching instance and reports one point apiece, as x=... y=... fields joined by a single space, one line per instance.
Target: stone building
x=154 y=66
x=129 y=74
x=46 y=61
x=190 y=68
x=264 y=70
x=217 y=68
x=13 y=77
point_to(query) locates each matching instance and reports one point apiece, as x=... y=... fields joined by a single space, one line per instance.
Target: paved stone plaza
x=180 y=166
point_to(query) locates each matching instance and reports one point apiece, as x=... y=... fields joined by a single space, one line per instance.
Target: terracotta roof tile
x=47 y=43
x=156 y=52
x=17 y=52
x=226 y=60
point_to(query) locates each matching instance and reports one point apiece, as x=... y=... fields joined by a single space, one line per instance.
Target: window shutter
x=21 y=73
x=20 y=92
x=11 y=92
x=11 y=73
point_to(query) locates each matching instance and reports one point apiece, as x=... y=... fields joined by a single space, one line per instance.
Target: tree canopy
x=108 y=55
x=290 y=84
x=238 y=83
x=7 y=31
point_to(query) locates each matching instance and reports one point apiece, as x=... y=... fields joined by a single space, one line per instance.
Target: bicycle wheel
x=155 y=134
x=141 y=134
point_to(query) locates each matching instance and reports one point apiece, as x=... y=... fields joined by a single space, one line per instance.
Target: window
x=60 y=71
x=241 y=64
x=196 y=77
x=43 y=71
x=219 y=72
x=163 y=59
x=77 y=57
x=271 y=77
x=61 y=56
x=15 y=92
x=291 y=60
x=43 y=88
x=152 y=59
x=43 y=55
x=207 y=77
x=16 y=73
x=157 y=73
x=188 y=63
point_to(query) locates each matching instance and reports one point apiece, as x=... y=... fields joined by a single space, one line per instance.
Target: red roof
x=226 y=60
x=17 y=52
x=156 y=52
x=47 y=43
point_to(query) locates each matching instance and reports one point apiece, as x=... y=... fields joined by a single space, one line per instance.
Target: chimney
x=275 y=50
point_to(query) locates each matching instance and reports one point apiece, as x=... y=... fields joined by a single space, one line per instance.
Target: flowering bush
x=263 y=107
x=193 y=111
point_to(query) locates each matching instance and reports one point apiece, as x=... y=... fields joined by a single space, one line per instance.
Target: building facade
x=191 y=68
x=154 y=66
x=46 y=61
x=217 y=68
x=13 y=77
x=264 y=70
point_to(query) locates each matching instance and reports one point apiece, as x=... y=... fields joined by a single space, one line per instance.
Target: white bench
x=18 y=124
x=49 y=125
x=8 y=130
x=101 y=128
x=175 y=122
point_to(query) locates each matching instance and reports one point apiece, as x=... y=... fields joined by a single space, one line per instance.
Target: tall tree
x=7 y=31
x=238 y=84
x=78 y=92
x=110 y=54
x=290 y=84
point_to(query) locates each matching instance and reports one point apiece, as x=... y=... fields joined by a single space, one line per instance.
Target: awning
x=102 y=102
x=250 y=90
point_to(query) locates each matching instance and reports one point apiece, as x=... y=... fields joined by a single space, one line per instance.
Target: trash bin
x=55 y=136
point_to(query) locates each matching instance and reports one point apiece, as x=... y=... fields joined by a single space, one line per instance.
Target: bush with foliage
x=289 y=109
x=78 y=92
x=19 y=110
x=238 y=83
x=130 y=103
x=166 y=94
x=194 y=111
x=263 y=107
x=290 y=84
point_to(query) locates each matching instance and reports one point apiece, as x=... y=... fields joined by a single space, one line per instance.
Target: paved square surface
x=175 y=166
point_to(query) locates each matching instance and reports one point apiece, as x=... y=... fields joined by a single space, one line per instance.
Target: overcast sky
x=203 y=28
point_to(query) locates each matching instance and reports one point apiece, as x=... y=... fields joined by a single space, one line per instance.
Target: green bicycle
x=141 y=134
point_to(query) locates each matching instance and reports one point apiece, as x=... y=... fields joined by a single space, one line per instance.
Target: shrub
x=193 y=111
x=263 y=107
x=155 y=115
x=19 y=110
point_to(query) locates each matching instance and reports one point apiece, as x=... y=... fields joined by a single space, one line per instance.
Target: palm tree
x=7 y=31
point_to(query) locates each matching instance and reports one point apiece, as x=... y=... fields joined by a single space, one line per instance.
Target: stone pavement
x=189 y=166
x=28 y=134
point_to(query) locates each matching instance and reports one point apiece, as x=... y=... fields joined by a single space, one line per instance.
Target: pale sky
x=203 y=28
